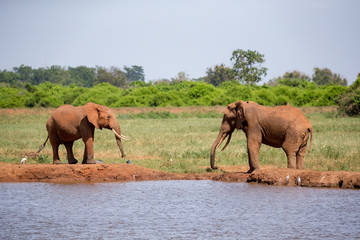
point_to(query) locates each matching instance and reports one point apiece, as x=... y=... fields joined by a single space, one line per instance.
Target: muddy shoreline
x=98 y=173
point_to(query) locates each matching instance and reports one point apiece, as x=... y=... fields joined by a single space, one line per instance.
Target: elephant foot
x=57 y=161
x=92 y=161
x=73 y=161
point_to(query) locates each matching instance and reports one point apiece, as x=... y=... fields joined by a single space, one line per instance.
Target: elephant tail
x=310 y=130
x=43 y=145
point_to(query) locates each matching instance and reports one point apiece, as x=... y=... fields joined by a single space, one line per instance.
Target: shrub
x=329 y=95
x=349 y=101
x=103 y=93
x=185 y=93
x=46 y=95
x=12 y=97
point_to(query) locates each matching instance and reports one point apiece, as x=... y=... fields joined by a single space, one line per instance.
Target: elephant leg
x=300 y=155
x=89 y=152
x=291 y=157
x=55 y=147
x=70 y=154
x=253 y=154
x=85 y=156
x=290 y=151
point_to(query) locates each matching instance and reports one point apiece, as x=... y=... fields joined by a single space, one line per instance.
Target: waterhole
x=176 y=210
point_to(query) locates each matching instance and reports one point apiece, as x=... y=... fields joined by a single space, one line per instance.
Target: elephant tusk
x=120 y=136
x=222 y=139
x=228 y=140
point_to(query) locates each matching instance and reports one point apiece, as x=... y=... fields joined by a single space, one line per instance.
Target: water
x=176 y=210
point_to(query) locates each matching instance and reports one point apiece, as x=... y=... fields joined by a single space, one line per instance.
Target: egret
x=171 y=158
x=287 y=178
x=99 y=161
x=298 y=180
x=24 y=160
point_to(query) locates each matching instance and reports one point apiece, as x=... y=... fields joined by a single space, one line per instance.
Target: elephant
x=68 y=124
x=280 y=127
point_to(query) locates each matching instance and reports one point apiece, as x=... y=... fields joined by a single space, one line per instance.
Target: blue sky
x=168 y=36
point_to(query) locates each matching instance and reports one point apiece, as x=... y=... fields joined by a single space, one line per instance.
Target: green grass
x=187 y=136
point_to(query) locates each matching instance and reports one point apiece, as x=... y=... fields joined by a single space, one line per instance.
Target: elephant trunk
x=215 y=145
x=221 y=137
x=118 y=138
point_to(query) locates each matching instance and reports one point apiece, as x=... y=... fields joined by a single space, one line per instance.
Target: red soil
x=64 y=173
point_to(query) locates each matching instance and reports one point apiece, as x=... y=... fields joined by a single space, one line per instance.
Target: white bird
x=298 y=180
x=171 y=158
x=99 y=161
x=24 y=160
x=287 y=178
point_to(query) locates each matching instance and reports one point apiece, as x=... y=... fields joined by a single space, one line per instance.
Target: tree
x=219 y=75
x=41 y=75
x=25 y=72
x=247 y=66
x=325 y=77
x=54 y=74
x=349 y=102
x=114 y=76
x=9 y=77
x=181 y=76
x=82 y=76
x=135 y=73
x=292 y=79
x=296 y=75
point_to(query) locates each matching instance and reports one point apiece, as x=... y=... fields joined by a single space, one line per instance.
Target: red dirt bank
x=10 y=172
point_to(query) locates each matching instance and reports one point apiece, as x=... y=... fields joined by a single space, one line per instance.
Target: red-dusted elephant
x=281 y=127
x=68 y=124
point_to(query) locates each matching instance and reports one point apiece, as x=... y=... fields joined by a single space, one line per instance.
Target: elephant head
x=102 y=117
x=233 y=118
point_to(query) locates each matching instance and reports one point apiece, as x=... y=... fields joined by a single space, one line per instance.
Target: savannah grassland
x=186 y=134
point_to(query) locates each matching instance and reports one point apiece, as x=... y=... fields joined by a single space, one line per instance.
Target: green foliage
x=12 y=97
x=219 y=75
x=181 y=76
x=329 y=94
x=349 y=101
x=135 y=73
x=296 y=75
x=84 y=76
x=325 y=76
x=103 y=93
x=79 y=76
x=114 y=76
x=247 y=66
x=46 y=95
x=183 y=93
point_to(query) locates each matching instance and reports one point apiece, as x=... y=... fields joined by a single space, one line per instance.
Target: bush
x=46 y=95
x=12 y=97
x=103 y=93
x=185 y=93
x=349 y=101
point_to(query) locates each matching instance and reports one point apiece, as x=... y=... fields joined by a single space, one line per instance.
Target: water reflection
x=176 y=210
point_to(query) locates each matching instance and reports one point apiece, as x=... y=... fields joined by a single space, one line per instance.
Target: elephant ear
x=240 y=113
x=92 y=111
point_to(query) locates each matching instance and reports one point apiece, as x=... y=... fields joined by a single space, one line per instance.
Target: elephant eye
x=108 y=117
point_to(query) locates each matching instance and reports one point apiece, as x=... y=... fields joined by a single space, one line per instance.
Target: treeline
x=81 y=76
x=246 y=68
x=115 y=87
x=184 y=93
